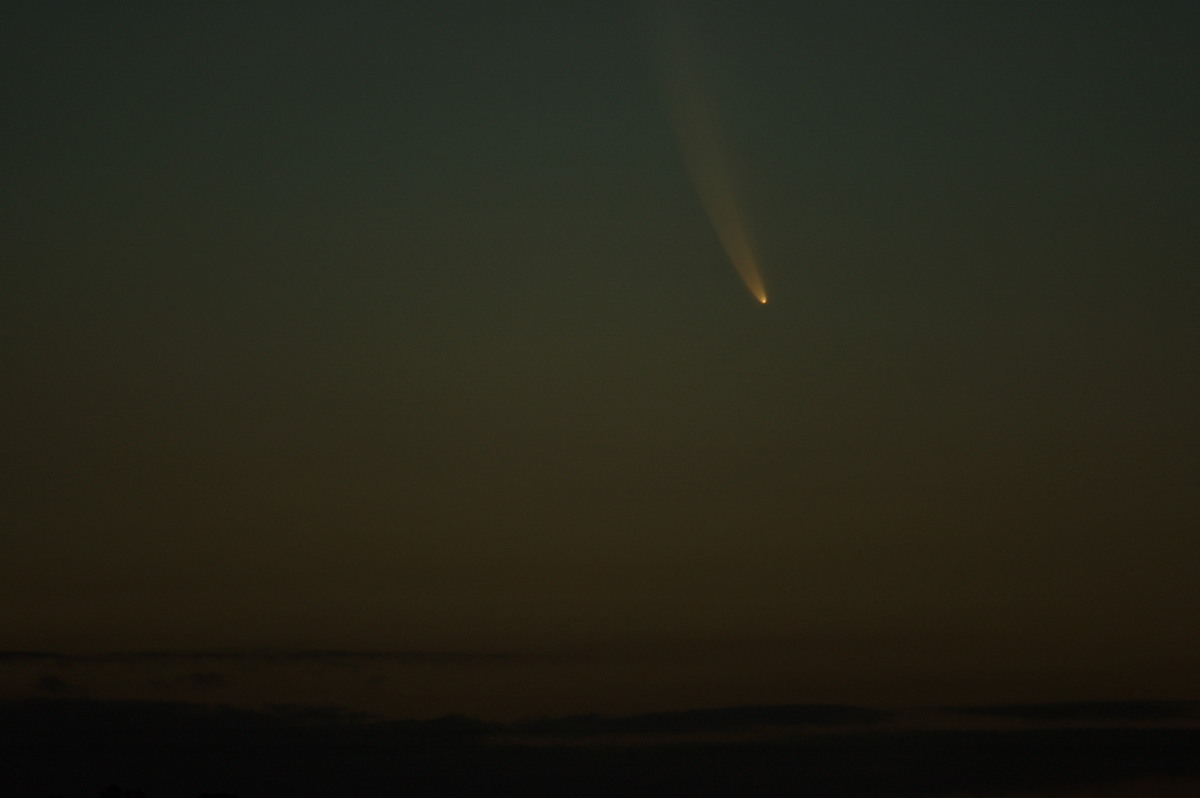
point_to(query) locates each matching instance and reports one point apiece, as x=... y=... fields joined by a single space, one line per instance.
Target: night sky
x=402 y=328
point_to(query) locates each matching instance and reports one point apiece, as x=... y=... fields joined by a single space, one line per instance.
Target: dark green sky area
x=399 y=326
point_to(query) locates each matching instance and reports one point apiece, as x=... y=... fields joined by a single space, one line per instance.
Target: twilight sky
x=401 y=327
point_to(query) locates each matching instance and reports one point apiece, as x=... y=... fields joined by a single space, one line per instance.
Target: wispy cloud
x=1091 y=711
x=260 y=655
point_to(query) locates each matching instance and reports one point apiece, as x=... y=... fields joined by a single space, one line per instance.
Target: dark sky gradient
x=394 y=327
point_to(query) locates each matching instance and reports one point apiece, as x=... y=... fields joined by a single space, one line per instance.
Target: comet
x=705 y=148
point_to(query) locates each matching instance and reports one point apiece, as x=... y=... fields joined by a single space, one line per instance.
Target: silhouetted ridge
x=67 y=747
x=87 y=720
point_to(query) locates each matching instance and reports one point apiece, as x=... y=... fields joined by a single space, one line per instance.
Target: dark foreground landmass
x=75 y=748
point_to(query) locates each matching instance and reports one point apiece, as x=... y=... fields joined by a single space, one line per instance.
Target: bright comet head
x=702 y=142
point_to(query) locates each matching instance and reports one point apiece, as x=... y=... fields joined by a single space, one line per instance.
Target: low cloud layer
x=701 y=721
